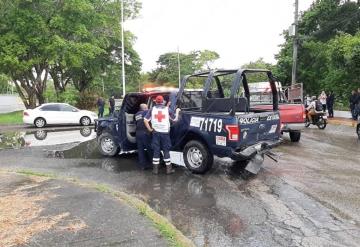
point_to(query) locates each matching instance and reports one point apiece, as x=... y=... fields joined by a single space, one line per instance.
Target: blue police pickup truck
x=217 y=120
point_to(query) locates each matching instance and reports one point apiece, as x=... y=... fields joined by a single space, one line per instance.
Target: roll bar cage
x=240 y=78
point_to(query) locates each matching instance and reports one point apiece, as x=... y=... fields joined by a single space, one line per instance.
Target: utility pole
x=178 y=60
x=295 y=44
x=122 y=49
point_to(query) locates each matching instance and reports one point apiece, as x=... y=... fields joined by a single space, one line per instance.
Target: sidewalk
x=37 y=211
x=342 y=121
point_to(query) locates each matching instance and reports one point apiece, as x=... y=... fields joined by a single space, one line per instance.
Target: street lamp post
x=295 y=44
x=122 y=49
x=178 y=60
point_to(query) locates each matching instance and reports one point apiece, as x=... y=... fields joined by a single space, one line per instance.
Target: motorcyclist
x=311 y=108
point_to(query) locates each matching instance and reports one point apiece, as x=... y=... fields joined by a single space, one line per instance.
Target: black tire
x=85 y=121
x=107 y=145
x=321 y=124
x=358 y=130
x=85 y=132
x=295 y=136
x=197 y=157
x=39 y=122
x=40 y=135
x=307 y=123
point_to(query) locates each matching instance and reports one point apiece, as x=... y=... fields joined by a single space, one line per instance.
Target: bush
x=86 y=100
x=70 y=96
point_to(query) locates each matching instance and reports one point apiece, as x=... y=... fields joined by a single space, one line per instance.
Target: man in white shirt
x=160 y=116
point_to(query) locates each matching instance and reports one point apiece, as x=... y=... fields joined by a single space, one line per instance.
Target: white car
x=58 y=113
x=44 y=137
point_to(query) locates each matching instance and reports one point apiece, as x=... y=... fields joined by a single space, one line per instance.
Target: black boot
x=169 y=169
x=155 y=169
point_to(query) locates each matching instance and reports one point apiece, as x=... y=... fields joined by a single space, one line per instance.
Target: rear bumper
x=287 y=127
x=28 y=120
x=251 y=151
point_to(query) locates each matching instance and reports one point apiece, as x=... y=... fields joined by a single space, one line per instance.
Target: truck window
x=191 y=99
x=131 y=103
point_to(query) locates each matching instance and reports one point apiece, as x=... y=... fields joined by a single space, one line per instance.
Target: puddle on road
x=45 y=137
x=190 y=201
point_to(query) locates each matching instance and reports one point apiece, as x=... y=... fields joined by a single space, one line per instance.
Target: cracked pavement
x=309 y=198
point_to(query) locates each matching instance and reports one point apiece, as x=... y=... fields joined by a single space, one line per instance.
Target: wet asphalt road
x=310 y=198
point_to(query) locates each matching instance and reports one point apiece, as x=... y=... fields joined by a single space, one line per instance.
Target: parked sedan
x=58 y=113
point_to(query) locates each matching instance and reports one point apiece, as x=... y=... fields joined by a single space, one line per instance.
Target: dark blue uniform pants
x=101 y=111
x=161 y=142
x=143 y=141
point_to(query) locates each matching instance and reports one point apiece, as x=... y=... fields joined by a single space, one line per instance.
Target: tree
x=167 y=70
x=328 y=49
x=4 y=83
x=72 y=41
x=258 y=64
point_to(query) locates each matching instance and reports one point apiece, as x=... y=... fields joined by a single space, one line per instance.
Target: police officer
x=111 y=105
x=100 y=104
x=143 y=138
x=160 y=117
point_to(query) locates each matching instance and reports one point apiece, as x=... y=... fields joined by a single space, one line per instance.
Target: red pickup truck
x=292 y=110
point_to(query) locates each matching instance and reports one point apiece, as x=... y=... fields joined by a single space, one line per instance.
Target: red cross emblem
x=159 y=116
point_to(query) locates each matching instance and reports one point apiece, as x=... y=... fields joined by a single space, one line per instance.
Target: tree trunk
x=21 y=94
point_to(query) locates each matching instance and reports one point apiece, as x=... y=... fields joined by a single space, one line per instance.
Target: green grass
x=11 y=117
x=33 y=173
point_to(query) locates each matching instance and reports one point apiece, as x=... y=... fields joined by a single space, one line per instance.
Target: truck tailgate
x=257 y=127
x=289 y=113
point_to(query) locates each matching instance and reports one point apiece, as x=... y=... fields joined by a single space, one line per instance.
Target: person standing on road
x=143 y=139
x=352 y=101
x=112 y=105
x=100 y=105
x=160 y=117
x=322 y=99
x=330 y=100
x=357 y=104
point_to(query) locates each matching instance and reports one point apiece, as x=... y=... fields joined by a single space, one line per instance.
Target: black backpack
x=318 y=106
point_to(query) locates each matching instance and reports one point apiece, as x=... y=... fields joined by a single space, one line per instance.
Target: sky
x=240 y=31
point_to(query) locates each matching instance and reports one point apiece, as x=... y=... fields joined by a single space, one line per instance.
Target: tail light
x=304 y=115
x=25 y=113
x=233 y=132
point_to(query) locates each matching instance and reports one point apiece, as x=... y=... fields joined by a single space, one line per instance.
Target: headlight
x=94 y=114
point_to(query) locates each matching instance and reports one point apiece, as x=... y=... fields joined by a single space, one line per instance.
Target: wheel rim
x=107 y=145
x=40 y=122
x=85 y=121
x=85 y=131
x=40 y=134
x=321 y=123
x=194 y=157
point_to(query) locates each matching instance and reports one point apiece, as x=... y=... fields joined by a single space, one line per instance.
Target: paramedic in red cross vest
x=160 y=117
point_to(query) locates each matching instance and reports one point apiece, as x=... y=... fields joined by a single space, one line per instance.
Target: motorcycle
x=319 y=119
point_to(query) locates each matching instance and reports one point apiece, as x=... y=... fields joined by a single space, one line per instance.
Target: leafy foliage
x=72 y=41
x=167 y=70
x=329 y=49
x=258 y=64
